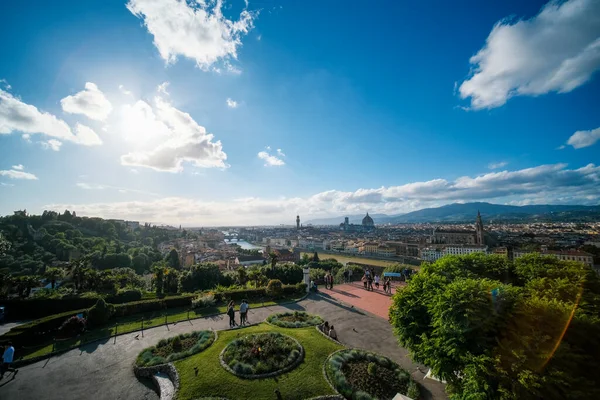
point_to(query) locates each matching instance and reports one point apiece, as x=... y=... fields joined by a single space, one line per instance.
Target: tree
x=273 y=258
x=173 y=259
x=315 y=257
x=242 y=276
x=53 y=274
x=200 y=277
x=158 y=272
x=26 y=283
x=498 y=330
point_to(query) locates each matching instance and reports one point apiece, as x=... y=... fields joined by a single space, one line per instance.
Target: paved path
x=376 y=302
x=103 y=370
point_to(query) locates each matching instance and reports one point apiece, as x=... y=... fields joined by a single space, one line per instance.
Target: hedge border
x=171 y=338
x=21 y=363
x=332 y=384
x=282 y=371
x=292 y=313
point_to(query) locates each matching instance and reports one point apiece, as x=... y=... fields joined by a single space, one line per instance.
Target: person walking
x=244 y=312
x=332 y=333
x=345 y=276
x=349 y=274
x=231 y=314
x=7 y=359
x=330 y=281
x=370 y=282
x=377 y=282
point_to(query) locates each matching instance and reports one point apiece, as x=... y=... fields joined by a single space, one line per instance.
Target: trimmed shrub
x=414 y=392
x=43 y=307
x=274 y=288
x=99 y=314
x=168 y=350
x=359 y=374
x=261 y=353
x=207 y=300
x=72 y=327
x=125 y=296
x=300 y=288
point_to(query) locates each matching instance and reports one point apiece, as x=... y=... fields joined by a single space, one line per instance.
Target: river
x=243 y=244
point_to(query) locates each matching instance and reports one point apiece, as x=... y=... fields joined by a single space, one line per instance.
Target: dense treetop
x=495 y=329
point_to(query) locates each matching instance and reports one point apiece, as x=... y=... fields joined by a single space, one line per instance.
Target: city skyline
x=254 y=118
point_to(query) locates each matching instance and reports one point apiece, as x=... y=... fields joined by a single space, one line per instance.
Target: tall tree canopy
x=500 y=330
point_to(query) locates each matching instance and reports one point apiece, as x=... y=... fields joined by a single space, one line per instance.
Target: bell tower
x=297 y=222
x=479 y=230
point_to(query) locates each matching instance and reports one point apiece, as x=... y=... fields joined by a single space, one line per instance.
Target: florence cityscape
x=234 y=199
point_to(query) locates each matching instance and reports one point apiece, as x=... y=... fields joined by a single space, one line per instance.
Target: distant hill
x=353 y=219
x=467 y=212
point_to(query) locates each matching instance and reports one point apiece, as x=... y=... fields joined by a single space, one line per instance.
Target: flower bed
x=262 y=355
x=175 y=348
x=296 y=319
x=358 y=374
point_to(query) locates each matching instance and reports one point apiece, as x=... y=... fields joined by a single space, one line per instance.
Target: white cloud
x=125 y=91
x=17 y=173
x=168 y=137
x=18 y=116
x=6 y=184
x=4 y=83
x=558 y=50
x=550 y=184
x=231 y=103
x=90 y=102
x=52 y=144
x=86 y=136
x=97 y=186
x=271 y=160
x=197 y=31
x=162 y=88
x=496 y=165
x=581 y=139
x=89 y=186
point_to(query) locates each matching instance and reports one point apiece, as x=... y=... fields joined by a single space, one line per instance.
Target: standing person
x=364 y=279
x=345 y=276
x=332 y=333
x=7 y=359
x=377 y=282
x=389 y=285
x=231 y=314
x=370 y=282
x=349 y=274
x=331 y=281
x=244 y=312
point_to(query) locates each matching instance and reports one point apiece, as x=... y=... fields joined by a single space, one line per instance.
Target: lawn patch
x=175 y=348
x=203 y=376
x=296 y=319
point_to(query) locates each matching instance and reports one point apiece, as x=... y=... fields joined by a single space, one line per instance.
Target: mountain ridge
x=459 y=212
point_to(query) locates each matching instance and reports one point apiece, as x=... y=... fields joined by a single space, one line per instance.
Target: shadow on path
x=92 y=347
x=293 y=306
x=329 y=299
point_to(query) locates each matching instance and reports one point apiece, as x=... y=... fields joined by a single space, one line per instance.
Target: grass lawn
x=132 y=323
x=303 y=382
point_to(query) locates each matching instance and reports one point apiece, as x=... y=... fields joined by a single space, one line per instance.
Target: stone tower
x=479 y=230
x=297 y=222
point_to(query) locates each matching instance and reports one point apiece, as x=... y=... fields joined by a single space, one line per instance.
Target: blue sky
x=384 y=107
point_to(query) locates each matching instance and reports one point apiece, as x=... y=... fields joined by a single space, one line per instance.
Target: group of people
x=328 y=330
x=328 y=281
x=244 y=307
x=348 y=275
x=371 y=277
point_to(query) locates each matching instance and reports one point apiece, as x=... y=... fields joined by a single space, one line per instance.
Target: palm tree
x=274 y=258
x=53 y=274
x=25 y=283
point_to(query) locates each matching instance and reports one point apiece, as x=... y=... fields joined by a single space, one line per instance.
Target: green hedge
x=39 y=308
x=39 y=330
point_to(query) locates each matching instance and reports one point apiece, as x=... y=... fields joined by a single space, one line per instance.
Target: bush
x=99 y=314
x=274 y=288
x=167 y=349
x=125 y=296
x=207 y=300
x=300 y=288
x=372 y=369
x=414 y=392
x=72 y=327
x=317 y=275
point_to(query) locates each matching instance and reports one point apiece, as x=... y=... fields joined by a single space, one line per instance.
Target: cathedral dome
x=367 y=221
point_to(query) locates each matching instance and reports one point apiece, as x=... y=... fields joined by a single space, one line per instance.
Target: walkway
x=376 y=301
x=103 y=370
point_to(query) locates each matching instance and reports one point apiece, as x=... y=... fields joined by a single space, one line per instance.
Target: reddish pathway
x=376 y=301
